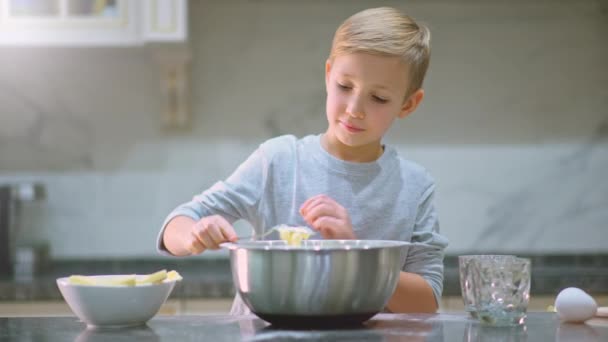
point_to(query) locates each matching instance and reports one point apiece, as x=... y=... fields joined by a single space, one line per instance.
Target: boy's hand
x=328 y=217
x=208 y=233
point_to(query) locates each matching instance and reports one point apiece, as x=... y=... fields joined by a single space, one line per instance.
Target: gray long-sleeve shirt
x=388 y=199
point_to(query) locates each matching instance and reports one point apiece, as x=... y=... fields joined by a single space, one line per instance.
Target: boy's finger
x=226 y=229
x=306 y=204
x=326 y=232
x=319 y=210
x=198 y=232
x=215 y=233
x=311 y=203
x=229 y=234
x=324 y=223
x=194 y=246
x=208 y=242
x=303 y=207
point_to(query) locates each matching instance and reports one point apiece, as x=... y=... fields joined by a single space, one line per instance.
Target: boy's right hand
x=208 y=233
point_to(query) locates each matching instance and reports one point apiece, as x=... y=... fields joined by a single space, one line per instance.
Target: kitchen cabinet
x=92 y=22
x=161 y=26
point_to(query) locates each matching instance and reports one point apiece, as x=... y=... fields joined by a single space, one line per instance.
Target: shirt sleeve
x=425 y=255
x=235 y=198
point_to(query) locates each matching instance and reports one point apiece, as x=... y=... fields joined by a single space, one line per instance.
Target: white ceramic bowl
x=114 y=306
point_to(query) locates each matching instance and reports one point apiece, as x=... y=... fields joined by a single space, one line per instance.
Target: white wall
x=514 y=126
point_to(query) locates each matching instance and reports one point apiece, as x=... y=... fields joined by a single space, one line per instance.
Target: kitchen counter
x=383 y=327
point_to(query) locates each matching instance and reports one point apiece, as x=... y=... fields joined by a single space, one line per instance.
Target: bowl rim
x=336 y=245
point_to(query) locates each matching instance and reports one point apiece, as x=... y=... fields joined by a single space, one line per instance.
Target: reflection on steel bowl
x=321 y=283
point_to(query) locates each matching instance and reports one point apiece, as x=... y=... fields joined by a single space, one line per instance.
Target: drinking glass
x=466 y=279
x=501 y=289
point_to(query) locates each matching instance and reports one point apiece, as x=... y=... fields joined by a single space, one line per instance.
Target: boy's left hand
x=328 y=217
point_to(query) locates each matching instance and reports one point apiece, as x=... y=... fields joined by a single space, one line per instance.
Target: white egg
x=575 y=305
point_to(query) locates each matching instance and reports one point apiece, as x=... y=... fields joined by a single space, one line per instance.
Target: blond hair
x=386 y=31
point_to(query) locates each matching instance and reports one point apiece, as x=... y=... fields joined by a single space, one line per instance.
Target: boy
x=344 y=183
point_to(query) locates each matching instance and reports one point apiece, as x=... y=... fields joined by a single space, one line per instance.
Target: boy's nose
x=357 y=114
x=355 y=110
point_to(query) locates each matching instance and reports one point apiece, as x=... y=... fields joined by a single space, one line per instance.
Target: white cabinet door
x=165 y=20
x=92 y=22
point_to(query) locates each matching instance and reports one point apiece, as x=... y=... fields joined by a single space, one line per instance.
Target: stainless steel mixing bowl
x=323 y=282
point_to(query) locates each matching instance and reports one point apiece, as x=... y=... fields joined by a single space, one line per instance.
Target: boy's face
x=365 y=93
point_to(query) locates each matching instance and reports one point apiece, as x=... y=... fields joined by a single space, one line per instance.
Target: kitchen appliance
x=12 y=198
x=320 y=283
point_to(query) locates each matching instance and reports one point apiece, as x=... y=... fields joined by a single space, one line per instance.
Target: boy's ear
x=411 y=103
x=327 y=70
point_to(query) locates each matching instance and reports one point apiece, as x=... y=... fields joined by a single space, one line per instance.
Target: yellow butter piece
x=80 y=280
x=128 y=280
x=293 y=235
x=153 y=278
x=174 y=275
x=297 y=238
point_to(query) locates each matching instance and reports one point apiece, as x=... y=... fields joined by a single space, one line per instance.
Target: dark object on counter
x=30 y=260
x=6 y=266
x=12 y=198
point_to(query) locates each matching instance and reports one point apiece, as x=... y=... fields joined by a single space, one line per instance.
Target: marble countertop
x=382 y=327
x=212 y=278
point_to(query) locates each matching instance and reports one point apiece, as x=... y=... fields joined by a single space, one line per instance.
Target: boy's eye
x=379 y=99
x=376 y=98
x=343 y=86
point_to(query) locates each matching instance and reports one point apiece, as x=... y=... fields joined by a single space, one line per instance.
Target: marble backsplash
x=517 y=199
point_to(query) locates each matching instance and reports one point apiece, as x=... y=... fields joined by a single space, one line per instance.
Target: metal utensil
x=273 y=229
x=318 y=283
x=256 y=236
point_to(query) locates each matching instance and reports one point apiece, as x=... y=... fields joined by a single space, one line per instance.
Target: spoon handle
x=257 y=237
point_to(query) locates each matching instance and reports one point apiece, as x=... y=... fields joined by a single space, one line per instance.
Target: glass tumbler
x=501 y=289
x=466 y=279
